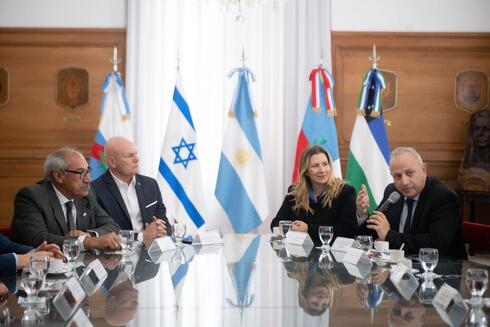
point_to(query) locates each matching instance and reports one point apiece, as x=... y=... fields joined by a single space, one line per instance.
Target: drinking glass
x=5 y=317
x=428 y=258
x=32 y=282
x=325 y=261
x=127 y=240
x=477 y=282
x=179 y=233
x=477 y=318
x=284 y=226
x=326 y=235
x=71 y=250
x=427 y=292
x=39 y=265
x=365 y=242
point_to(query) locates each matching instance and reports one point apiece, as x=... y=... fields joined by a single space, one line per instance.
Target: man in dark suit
x=63 y=206
x=427 y=215
x=133 y=200
x=14 y=256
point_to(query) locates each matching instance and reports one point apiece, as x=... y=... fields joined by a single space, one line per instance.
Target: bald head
x=122 y=157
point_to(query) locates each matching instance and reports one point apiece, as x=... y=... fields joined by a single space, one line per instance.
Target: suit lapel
x=82 y=222
x=112 y=187
x=141 y=201
x=54 y=202
x=420 y=206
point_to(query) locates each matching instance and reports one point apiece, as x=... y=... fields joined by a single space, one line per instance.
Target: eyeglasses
x=82 y=174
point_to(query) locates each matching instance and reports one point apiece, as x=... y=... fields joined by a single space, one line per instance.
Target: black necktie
x=408 y=221
x=69 y=216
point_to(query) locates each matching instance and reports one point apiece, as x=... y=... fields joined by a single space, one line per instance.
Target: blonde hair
x=300 y=191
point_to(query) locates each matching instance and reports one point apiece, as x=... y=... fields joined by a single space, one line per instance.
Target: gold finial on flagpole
x=115 y=60
x=374 y=58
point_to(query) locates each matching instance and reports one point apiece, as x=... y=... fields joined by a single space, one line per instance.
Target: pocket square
x=149 y=205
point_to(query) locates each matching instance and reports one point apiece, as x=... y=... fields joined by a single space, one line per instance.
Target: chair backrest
x=477 y=234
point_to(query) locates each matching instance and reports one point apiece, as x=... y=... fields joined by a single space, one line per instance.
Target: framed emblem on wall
x=72 y=87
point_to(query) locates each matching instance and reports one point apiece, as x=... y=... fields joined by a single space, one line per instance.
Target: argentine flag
x=114 y=121
x=241 y=188
x=369 y=153
x=179 y=174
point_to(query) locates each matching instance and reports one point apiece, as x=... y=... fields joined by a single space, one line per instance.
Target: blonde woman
x=319 y=198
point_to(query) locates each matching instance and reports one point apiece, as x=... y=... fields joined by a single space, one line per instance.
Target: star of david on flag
x=179 y=174
x=183 y=146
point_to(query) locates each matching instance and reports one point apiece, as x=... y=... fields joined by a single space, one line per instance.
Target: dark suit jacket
x=149 y=199
x=7 y=259
x=38 y=216
x=436 y=222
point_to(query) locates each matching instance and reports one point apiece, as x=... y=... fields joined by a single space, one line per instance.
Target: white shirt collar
x=121 y=183
x=61 y=197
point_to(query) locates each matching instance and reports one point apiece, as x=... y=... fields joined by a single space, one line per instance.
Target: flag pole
x=115 y=60
x=374 y=58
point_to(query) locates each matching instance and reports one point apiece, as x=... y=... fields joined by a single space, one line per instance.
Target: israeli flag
x=241 y=188
x=179 y=174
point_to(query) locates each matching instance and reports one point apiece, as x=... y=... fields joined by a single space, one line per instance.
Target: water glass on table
x=39 y=265
x=179 y=233
x=365 y=242
x=326 y=235
x=284 y=227
x=71 y=250
x=428 y=259
x=127 y=240
x=32 y=282
x=477 y=282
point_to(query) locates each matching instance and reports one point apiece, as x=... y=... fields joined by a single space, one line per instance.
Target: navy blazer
x=436 y=222
x=149 y=199
x=7 y=259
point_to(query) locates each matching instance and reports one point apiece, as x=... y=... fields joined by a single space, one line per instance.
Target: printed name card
x=359 y=271
x=404 y=281
x=163 y=244
x=207 y=238
x=355 y=256
x=338 y=255
x=342 y=244
x=68 y=298
x=450 y=305
x=93 y=276
x=298 y=251
x=79 y=319
x=298 y=238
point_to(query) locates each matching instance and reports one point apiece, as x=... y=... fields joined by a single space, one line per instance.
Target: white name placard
x=207 y=238
x=342 y=244
x=355 y=256
x=163 y=244
x=359 y=271
x=68 y=298
x=298 y=238
x=93 y=276
x=338 y=255
x=450 y=305
x=298 y=251
x=404 y=281
x=79 y=319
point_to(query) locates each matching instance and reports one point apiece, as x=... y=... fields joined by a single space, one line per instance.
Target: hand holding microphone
x=378 y=221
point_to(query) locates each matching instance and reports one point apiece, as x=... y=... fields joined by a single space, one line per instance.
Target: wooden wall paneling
x=34 y=123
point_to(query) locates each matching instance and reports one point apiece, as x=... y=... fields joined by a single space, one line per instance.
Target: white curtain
x=281 y=42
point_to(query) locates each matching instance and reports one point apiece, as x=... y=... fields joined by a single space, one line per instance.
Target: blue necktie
x=408 y=221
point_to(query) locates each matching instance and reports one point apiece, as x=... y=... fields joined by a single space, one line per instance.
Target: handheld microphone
x=394 y=196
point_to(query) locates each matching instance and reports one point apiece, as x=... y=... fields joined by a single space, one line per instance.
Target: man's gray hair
x=56 y=160
x=401 y=150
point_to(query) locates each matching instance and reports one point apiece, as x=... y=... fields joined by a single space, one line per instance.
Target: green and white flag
x=369 y=153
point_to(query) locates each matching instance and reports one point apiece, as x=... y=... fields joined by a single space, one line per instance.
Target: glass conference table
x=249 y=280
